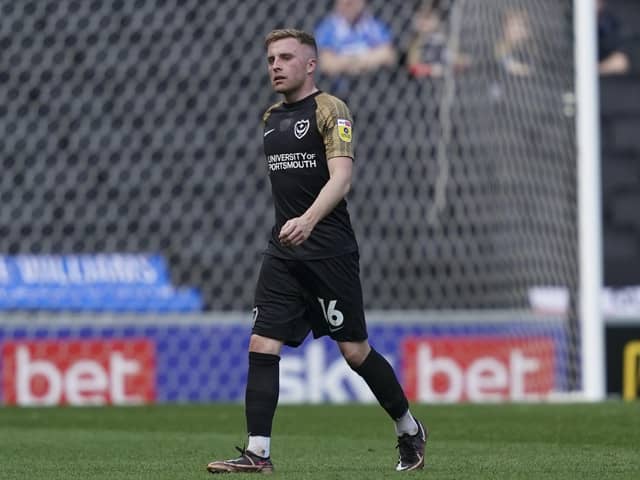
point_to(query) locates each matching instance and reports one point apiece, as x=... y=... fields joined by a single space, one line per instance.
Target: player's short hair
x=300 y=35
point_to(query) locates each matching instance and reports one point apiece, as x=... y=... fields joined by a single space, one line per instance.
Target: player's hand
x=295 y=231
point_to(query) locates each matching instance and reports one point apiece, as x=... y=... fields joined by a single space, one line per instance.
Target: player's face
x=290 y=64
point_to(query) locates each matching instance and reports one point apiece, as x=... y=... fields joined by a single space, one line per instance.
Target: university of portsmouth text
x=285 y=161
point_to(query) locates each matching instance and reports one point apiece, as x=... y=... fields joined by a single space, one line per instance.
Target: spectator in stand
x=612 y=60
x=351 y=42
x=429 y=52
x=514 y=51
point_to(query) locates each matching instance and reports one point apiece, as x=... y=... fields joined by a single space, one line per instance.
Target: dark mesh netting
x=134 y=126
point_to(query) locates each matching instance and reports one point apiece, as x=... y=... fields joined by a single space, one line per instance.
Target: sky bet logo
x=478 y=369
x=78 y=372
x=315 y=374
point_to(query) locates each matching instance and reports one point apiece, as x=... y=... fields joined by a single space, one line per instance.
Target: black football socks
x=263 y=388
x=382 y=380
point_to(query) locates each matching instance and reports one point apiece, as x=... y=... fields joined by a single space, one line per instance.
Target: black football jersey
x=298 y=139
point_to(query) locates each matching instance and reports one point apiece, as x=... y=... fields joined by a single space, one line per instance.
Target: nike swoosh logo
x=268 y=132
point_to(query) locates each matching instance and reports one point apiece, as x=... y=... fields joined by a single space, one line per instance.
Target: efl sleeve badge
x=344 y=130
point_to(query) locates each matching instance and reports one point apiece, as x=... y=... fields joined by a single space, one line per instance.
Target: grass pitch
x=583 y=441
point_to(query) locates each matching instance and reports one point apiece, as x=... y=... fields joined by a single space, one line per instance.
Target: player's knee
x=260 y=344
x=354 y=352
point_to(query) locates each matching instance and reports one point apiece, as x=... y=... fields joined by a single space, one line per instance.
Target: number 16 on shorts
x=332 y=315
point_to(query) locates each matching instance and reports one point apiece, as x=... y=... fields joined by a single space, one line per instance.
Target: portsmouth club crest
x=301 y=128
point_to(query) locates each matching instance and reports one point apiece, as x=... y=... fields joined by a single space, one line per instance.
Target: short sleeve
x=335 y=125
x=381 y=34
x=267 y=113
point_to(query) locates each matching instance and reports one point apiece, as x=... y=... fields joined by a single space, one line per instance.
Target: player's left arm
x=297 y=230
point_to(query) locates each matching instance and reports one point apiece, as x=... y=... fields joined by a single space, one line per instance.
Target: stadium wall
x=620 y=119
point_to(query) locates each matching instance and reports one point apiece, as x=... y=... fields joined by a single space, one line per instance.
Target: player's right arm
x=297 y=230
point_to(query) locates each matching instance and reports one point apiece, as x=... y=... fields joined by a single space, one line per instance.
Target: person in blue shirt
x=351 y=41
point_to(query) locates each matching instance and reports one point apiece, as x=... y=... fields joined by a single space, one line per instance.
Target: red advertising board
x=78 y=372
x=478 y=369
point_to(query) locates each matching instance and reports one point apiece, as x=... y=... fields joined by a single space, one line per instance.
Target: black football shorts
x=294 y=297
